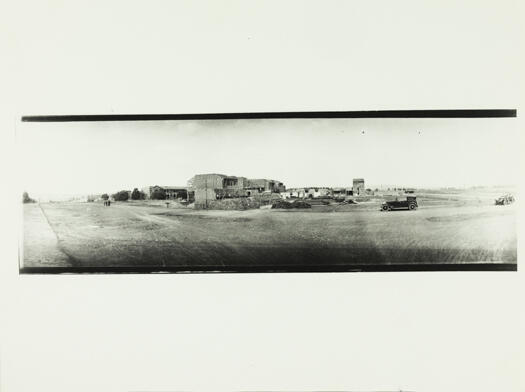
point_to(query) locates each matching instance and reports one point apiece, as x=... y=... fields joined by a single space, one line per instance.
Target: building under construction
x=213 y=186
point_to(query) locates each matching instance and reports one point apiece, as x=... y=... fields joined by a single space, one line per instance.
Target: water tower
x=358 y=186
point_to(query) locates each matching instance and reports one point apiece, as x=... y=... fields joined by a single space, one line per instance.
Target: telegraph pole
x=206 y=187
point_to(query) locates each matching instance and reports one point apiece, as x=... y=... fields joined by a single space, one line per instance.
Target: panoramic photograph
x=268 y=195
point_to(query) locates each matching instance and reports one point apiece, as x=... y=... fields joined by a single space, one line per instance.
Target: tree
x=105 y=196
x=137 y=195
x=158 y=194
x=121 y=196
x=27 y=199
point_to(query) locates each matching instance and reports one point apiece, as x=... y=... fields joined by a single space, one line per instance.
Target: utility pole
x=206 y=188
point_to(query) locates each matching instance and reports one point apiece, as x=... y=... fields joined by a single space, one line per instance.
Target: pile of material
x=319 y=202
x=282 y=204
x=301 y=204
x=287 y=205
x=267 y=198
x=244 y=203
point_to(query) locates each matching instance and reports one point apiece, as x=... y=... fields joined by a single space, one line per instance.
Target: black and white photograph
x=263 y=195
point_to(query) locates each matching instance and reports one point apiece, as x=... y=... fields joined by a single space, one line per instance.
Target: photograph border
x=384 y=114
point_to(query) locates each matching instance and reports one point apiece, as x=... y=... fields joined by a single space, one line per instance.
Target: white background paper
x=439 y=331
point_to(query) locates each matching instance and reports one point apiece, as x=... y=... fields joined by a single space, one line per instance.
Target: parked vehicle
x=504 y=200
x=409 y=204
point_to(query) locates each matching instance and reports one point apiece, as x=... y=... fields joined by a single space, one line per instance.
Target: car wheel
x=411 y=207
x=384 y=208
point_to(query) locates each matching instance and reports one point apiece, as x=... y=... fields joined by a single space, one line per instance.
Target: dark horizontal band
x=291 y=268
x=456 y=113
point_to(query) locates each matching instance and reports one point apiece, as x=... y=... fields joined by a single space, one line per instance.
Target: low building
x=342 y=192
x=294 y=193
x=176 y=192
x=265 y=185
x=148 y=190
x=309 y=192
x=315 y=192
x=171 y=192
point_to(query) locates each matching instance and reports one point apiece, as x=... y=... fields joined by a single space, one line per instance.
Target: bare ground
x=444 y=230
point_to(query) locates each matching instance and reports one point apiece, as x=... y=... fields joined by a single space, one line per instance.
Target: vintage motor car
x=504 y=200
x=409 y=204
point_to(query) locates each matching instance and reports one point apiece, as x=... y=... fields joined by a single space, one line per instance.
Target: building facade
x=265 y=185
x=214 y=186
x=176 y=192
x=342 y=192
x=358 y=187
x=310 y=192
x=148 y=190
x=171 y=192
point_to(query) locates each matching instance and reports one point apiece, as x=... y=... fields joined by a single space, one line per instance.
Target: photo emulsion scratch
x=266 y=195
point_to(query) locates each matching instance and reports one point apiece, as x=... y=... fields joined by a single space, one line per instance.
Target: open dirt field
x=447 y=228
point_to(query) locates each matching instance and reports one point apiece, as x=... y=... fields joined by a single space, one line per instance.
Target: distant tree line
x=137 y=195
x=120 y=196
x=125 y=195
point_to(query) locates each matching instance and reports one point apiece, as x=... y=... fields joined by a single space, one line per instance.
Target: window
x=230 y=181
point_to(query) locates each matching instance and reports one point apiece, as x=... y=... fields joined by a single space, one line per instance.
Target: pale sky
x=98 y=157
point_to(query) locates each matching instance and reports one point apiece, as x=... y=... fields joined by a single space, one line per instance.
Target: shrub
x=27 y=199
x=137 y=195
x=158 y=194
x=282 y=204
x=121 y=196
x=301 y=204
